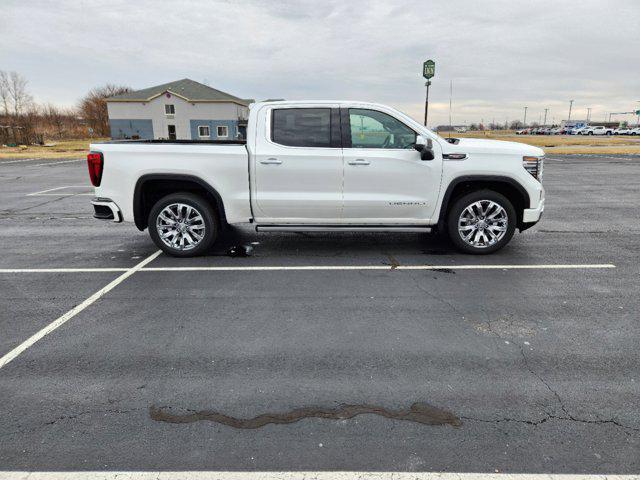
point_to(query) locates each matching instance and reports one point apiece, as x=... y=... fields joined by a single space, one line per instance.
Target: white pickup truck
x=317 y=166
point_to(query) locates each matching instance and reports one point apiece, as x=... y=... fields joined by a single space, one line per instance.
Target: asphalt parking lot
x=512 y=369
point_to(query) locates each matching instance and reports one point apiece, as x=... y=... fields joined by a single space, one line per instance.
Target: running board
x=343 y=228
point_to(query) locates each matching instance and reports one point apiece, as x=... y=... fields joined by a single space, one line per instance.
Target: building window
x=170 y=109
x=203 y=131
x=223 y=131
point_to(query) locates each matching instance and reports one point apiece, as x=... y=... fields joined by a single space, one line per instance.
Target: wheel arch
x=507 y=186
x=152 y=187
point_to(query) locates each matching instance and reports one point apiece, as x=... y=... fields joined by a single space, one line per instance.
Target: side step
x=343 y=228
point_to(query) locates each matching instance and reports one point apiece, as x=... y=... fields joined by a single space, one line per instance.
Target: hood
x=481 y=145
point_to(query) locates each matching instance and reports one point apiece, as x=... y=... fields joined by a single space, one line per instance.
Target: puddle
x=417 y=413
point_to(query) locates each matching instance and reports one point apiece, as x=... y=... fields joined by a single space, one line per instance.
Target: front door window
x=172 y=132
x=373 y=129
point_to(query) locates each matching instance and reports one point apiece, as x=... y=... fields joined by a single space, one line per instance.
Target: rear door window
x=301 y=127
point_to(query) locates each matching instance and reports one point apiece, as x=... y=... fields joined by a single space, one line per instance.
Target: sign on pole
x=428 y=69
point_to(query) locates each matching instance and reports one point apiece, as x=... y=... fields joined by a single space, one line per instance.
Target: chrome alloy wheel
x=483 y=223
x=180 y=226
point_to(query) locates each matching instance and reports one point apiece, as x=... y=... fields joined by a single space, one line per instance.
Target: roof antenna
x=450 y=96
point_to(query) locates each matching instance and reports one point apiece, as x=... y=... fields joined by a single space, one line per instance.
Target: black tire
x=206 y=212
x=456 y=210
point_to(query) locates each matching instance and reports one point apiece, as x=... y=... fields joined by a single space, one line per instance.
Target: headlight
x=534 y=165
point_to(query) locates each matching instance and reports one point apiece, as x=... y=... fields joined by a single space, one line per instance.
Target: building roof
x=186 y=88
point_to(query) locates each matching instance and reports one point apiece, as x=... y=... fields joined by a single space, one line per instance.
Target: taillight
x=95 y=163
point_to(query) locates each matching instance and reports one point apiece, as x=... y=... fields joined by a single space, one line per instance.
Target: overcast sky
x=501 y=55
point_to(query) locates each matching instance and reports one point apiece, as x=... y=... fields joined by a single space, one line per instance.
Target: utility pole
x=525 y=116
x=588 y=114
x=570 y=105
x=545 y=115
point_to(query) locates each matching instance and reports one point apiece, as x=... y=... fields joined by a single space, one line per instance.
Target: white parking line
x=47 y=164
x=20 y=161
x=47 y=192
x=376 y=267
x=204 y=475
x=314 y=267
x=5 y=359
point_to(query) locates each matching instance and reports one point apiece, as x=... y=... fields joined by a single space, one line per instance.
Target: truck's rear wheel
x=183 y=225
x=481 y=222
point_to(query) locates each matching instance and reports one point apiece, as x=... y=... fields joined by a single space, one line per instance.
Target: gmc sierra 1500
x=321 y=166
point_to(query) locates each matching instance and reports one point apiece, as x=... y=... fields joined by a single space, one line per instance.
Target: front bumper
x=532 y=215
x=106 y=209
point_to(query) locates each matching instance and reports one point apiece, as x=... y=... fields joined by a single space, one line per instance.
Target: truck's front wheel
x=481 y=222
x=183 y=225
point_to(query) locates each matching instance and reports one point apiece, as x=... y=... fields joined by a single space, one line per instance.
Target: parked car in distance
x=556 y=131
x=635 y=131
x=522 y=131
x=600 y=130
x=586 y=131
x=320 y=166
x=577 y=130
x=622 y=131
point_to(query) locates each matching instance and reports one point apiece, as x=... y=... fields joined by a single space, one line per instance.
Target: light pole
x=426 y=102
x=525 y=116
x=588 y=114
x=545 y=115
x=570 y=105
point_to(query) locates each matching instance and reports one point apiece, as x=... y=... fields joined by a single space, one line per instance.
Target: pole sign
x=428 y=69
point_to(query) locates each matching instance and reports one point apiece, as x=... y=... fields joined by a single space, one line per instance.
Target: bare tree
x=13 y=93
x=93 y=107
x=4 y=91
x=55 y=118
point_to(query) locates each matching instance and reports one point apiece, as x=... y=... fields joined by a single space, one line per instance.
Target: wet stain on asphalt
x=444 y=270
x=393 y=261
x=418 y=413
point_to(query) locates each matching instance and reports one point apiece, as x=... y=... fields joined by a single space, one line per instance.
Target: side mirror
x=425 y=147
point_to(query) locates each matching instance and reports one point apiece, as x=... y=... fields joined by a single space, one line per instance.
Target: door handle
x=359 y=161
x=271 y=161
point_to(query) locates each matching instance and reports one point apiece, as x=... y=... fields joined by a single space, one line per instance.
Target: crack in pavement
x=568 y=416
x=547 y=418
